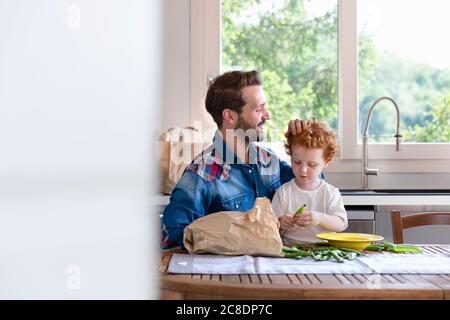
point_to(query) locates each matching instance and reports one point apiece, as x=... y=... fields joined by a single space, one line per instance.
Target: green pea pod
x=388 y=245
x=326 y=257
x=406 y=249
x=374 y=247
x=320 y=257
x=336 y=256
x=316 y=256
x=323 y=249
x=396 y=248
x=289 y=250
x=358 y=253
x=303 y=253
x=292 y=255
x=300 y=210
x=351 y=256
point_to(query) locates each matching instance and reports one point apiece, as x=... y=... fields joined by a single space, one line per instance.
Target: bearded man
x=232 y=172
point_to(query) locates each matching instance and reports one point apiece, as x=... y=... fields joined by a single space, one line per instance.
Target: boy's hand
x=286 y=222
x=308 y=218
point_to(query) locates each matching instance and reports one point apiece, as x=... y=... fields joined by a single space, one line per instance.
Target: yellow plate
x=356 y=241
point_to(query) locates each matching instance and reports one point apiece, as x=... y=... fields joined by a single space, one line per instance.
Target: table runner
x=408 y=263
x=382 y=263
x=220 y=264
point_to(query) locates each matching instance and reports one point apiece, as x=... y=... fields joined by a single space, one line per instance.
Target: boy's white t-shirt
x=325 y=199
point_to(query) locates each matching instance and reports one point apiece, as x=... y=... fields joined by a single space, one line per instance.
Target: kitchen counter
x=375 y=199
x=396 y=197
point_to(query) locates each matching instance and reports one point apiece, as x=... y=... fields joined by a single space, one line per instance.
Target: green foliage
x=297 y=55
x=418 y=90
x=436 y=130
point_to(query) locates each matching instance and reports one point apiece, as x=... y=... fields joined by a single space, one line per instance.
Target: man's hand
x=296 y=126
x=308 y=218
x=286 y=222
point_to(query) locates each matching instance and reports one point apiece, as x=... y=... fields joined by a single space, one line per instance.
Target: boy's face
x=307 y=164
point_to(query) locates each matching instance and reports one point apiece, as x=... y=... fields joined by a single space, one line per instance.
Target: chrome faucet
x=365 y=172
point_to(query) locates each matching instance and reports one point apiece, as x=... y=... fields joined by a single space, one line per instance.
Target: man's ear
x=230 y=117
x=326 y=165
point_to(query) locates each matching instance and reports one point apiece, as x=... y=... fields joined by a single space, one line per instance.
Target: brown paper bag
x=176 y=148
x=254 y=232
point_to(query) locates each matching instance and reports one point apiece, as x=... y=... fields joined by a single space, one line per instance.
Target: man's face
x=253 y=115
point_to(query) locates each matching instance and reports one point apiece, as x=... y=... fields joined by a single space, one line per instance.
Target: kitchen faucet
x=365 y=172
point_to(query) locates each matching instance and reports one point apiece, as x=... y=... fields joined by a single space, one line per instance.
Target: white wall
x=79 y=96
x=176 y=78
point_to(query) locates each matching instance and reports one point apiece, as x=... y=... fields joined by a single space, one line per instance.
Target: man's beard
x=248 y=132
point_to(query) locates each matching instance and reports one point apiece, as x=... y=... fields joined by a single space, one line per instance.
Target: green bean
x=351 y=256
x=336 y=256
x=321 y=253
x=374 y=247
x=289 y=250
x=321 y=256
x=293 y=255
x=396 y=248
x=351 y=250
x=406 y=249
x=293 y=252
x=323 y=249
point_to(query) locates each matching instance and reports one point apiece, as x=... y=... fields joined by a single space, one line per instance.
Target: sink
x=394 y=192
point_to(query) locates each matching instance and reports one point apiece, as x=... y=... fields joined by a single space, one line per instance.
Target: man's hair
x=317 y=135
x=225 y=92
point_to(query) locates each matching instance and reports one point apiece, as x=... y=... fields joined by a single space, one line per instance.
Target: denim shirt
x=213 y=183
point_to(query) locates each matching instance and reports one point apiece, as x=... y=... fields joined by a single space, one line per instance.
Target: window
x=408 y=61
x=294 y=44
x=360 y=62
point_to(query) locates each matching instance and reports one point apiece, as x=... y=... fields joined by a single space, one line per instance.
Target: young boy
x=311 y=151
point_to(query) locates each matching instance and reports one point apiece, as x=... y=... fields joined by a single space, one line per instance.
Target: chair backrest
x=415 y=220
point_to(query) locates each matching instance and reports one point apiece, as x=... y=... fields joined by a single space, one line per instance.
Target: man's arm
x=296 y=126
x=189 y=201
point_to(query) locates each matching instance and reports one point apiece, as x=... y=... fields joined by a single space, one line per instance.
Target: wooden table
x=305 y=286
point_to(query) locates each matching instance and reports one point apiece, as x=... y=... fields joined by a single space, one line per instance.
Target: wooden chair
x=415 y=220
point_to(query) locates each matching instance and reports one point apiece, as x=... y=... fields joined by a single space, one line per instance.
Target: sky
x=414 y=29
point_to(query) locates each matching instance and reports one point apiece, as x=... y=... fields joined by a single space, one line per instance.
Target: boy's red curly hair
x=317 y=135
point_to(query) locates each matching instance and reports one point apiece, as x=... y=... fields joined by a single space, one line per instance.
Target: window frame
x=205 y=63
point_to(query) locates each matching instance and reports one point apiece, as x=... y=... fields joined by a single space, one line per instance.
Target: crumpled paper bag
x=254 y=232
x=175 y=149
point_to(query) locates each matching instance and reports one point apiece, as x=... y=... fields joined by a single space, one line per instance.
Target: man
x=231 y=173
